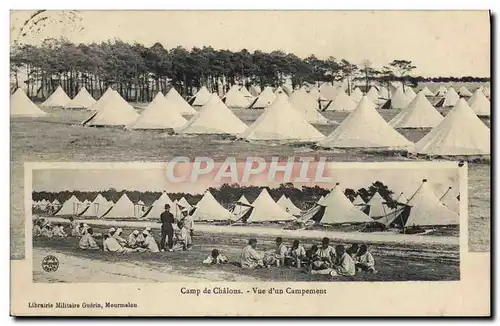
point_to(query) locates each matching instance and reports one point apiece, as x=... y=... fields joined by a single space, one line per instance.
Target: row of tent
x=461 y=132
x=423 y=208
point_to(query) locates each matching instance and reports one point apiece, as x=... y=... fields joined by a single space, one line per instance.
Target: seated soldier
x=325 y=257
x=353 y=250
x=215 y=258
x=364 y=260
x=344 y=264
x=117 y=236
x=251 y=258
x=149 y=242
x=132 y=239
x=296 y=255
x=87 y=241
x=182 y=238
x=112 y=245
x=37 y=230
x=58 y=231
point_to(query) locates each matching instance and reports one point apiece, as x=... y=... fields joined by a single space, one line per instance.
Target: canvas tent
x=265 y=209
x=280 y=121
x=115 y=112
x=427 y=210
x=464 y=92
x=255 y=90
x=288 y=206
x=241 y=207
x=449 y=199
x=124 y=208
x=398 y=100
x=69 y=207
x=244 y=91
x=177 y=103
x=357 y=94
x=450 y=99
x=441 y=91
x=235 y=99
x=98 y=207
x=418 y=114
x=213 y=118
x=378 y=207
x=82 y=100
x=307 y=104
x=336 y=208
x=158 y=207
x=358 y=201
x=58 y=99
x=341 y=102
x=426 y=91
x=383 y=92
x=101 y=102
x=373 y=94
x=159 y=114
x=201 y=97
x=410 y=93
x=264 y=99
x=21 y=106
x=460 y=133
x=209 y=209
x=480 y=104
x=364 y=128
x=184 y=203
x=329 y=92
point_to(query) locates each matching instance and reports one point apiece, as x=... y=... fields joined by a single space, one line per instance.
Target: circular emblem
x=50 y=263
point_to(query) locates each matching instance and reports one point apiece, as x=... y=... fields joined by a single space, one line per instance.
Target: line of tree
x=226 y=194
x=138 y=72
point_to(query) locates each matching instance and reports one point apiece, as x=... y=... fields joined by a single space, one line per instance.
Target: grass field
x=393 y=262
x=59 y=137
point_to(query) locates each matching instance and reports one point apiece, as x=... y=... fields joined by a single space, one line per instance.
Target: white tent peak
x=124 y=208
x=201 y=97
x=280 y=121
x=21 y=105
x=82 y=100
x=265 y=209
x=339 y=209
x=365 y=128
x=115 y=112
x=178 y=103
x=479 y=103
x=57 y=99
x=418 y=114
x=307 y=104
x=341 y=102
x=235 y=99
x=264 y=99
x=209 y=209
x=159 y=114
x=214 y=118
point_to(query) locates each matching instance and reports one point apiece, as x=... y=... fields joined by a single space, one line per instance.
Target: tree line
x=226 y=194
x=138 y=72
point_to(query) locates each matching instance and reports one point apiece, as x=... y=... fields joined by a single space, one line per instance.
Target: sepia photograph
x=301 y=150
x=122 y=225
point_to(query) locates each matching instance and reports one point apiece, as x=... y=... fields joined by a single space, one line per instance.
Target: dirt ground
x=60 y=137
x=393 y=262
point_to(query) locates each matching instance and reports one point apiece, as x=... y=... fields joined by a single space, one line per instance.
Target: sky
x=399 y=179
x=439 y=43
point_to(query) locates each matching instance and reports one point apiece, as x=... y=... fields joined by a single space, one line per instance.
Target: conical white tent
x=82 y=207
x=426 y=91
x=463 y=91
x=159 y=114
x=338 y=209
x=58 y=99
x=178 y=103
x=82 y=100
x=288 y=206
x=115 y=112
x=279 y=91
x=265 y=98
x=479 y=103
x=214 y=118
x=486 y=91
x=209 y=209
x=307 y=104
x=281 y=122
x=241 y=206
x=441 y=91
x=357 y=94
x=244 y=91
x=378 y=206
x=449 y=199
x=427 y=210
x=373 y=94
x=460 y=133
x=235 y=99
x=124 y=208
x=158 y=207
x=265 y=209
x=101 y=102
x=243 y=200
x=358 y=201
x=98 y=207
x=320 y=200
x=401 y=198
x=399 y=100
x=255 y=90
x=364 y=128
x=418 y=114
x=201 y=97
x=21 y=105
x=70 y=207
x=342 y=102
x=410 y=93
x=184 y=203
x=450 y=99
